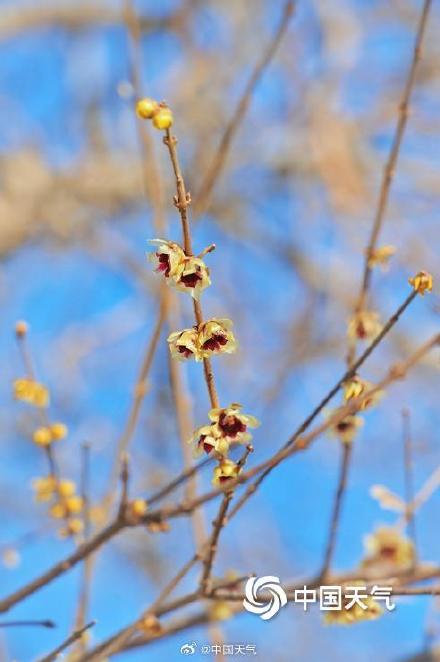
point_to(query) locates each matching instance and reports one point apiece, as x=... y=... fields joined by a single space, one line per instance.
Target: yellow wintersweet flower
x=42 y=436
x=74 y=504
x=150 y=624
x=381 y=255
x=347 y=428
x=138 y=508
x=44 y=488
x=146 y=107
x=364 y=325
x=169 y=257
x=45 y=435
x=58 y=510
x=183 y=345
x=220 y=610
x=215 y=337
x=233 y=425
x=58 y=431
x=21 y=328
x=73 y=527
x=66 y=488
x=354 y=614
x=421 y=282
x=208 y=438
x=163 y=117
x=356 y=387
x=28 y=390
x=387 y=546
x=193 y=278
x=225 y=471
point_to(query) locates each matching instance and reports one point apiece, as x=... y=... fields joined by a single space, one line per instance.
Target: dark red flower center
x=231 y=425
x=223 y=479
x=215 y=342
x=207 y=447
x=343 y=426
x=184 y=350
x=191 y=280
x=164 y=265
x=387 y=552
x=361 y=331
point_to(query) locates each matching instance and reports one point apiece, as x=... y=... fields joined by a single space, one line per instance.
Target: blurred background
x=290 y=213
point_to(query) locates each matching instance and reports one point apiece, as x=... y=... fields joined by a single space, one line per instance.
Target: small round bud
x=42 y=436
x=21 y=328
x=145 y=108
x=163 y=118
x=58 y=430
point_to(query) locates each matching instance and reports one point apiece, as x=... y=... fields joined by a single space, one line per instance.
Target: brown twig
x=395 y=373
x=14 y=624
x=377 y=223
x=68 y=642
x=203 y=197
x=349 y=373
x=114 y=643
x=182 y=201
x=84 y=594
x=393 y=156
x=346 y=450
x=409 y=479
x=218 y=524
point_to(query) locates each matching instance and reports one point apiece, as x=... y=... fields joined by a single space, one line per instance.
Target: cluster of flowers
x=65 y=504
x=32 y=392
x=365 y=325
x=228 y=425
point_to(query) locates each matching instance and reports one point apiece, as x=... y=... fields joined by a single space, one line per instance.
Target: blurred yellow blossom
x=355 y=613
x=28 y=390
x=356 y=387
x=381 y=255
x=58 y=431
x=421 y=282
x=347 y=428
x=44 y=488
x=220 y=610
x=42 y=436
x=364 y=325
x=387 y=546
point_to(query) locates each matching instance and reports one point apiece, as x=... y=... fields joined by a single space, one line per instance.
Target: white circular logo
x=188 y=649
x=269 y=585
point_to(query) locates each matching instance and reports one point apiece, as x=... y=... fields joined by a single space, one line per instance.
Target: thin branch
x=214 y=171
x=396 y=372
x=390 y=166
x=114 y=643
x=68 y=642
x=409 y=479
x=182 y=201
x=347 y=449
x=318 y=409
x=86 y=576
x=218 y=524
x=17 y=624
